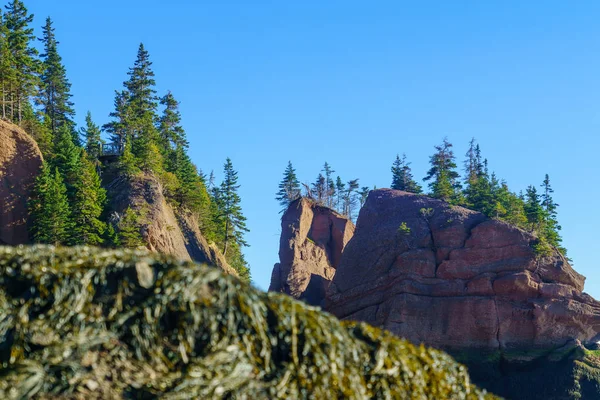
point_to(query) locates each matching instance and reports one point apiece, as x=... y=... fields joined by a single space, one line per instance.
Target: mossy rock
x=86 y=323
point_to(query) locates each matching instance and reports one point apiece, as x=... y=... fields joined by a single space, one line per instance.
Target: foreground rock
x=456 y=280
x=312 y=240
x=163 y=229
x=93 y=324
x=20 y=162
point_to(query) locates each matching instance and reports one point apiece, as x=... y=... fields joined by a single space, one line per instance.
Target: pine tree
x=233 y=222
x=67 y=158
x=444 y=178
x=402 y=178
x=49 y=208
x=172 y=135
x=87 y=205
x=8 y=76
x=23 y=56
x=93 y=140
x=54 y=95
x=118 y=127
x=289 y=188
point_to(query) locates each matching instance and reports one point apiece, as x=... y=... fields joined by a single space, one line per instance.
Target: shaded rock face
x=454 y=279
x=20 y=162
x=312 y=240
x=163 y=229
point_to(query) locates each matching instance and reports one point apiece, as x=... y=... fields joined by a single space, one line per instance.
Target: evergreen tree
x=289 y=188
x=93 y=141
x=87 y=205
x=551 y=226
x=329 y=197
x=49 y=208
x=67 y=158
x=23 y=59
x=37 y=126
x=54 y=95
x=533 y=209
x=350 y=198
x=319 y=190
x=118 y=127
x=129 y=229
x=402 y=178
x=340 y=188
x=442 y=174
x=233 y=222
x=364 y=193
x=8 y=77
x=172 y=134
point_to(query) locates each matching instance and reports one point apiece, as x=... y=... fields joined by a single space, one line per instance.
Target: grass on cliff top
x=87 y=323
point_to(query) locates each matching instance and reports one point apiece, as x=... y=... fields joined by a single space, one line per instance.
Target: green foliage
x=402 y=178
x=99 y=324
x=129 y=235
x=54 y=96
x=442 y=174
x=87 y=205
x=289 y=188
x=229 y=221
x=49 y=211
x=93 y=141
x=404 y=229
x=20 y=76
x=426 y=212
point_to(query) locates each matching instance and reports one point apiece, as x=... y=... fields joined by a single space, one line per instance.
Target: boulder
x=20 y=162
x=313 y=238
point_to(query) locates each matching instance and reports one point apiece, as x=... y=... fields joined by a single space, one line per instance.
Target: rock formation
x=130 y=324
x=312 y=240
x=20 y=162
x=457 y=280
x=164 y=230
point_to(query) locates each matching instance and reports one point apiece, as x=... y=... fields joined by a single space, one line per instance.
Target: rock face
x=20 y=162
x=456 y=280
x=312 y=240
x=163 y=230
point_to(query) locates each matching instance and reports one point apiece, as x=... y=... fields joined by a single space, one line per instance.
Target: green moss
x=94 y=324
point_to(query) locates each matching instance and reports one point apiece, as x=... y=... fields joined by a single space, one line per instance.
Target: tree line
x=68 y=204
x=478 y=189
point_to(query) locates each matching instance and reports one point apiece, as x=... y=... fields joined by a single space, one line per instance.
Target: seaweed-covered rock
x=88 y=323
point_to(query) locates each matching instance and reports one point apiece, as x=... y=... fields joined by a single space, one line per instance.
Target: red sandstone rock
x=312 y=240
x=457 y=280
x=20 y=162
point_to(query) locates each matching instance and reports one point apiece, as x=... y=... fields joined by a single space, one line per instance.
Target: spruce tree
x=402 y=178
x=23 y=58
x=319 y=189
x=54 y=96
x=67 y=158
x=444 y=183
x=93 y=140
x=289 y=188
x=551 y=226
x=129 y=235
x=329 y=199
x=87 y=205
x=340 y=188
x=350 y=198
x=49 y=208
x=172 y=134
x=364 y=193
x=533 y=209
x=233 y=222
x=118 y=127
x=8 y=76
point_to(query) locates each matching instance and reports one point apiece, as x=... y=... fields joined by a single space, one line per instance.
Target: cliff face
x=312 y=240
x=20 y=162
x=164 y=230
x=454 y=279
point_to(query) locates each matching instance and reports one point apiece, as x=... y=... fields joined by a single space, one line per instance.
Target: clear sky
x=353 y=83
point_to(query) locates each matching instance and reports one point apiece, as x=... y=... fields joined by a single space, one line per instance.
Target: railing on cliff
x=111 y=150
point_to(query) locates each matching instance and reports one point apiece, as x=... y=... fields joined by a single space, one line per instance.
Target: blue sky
x=354 y=83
